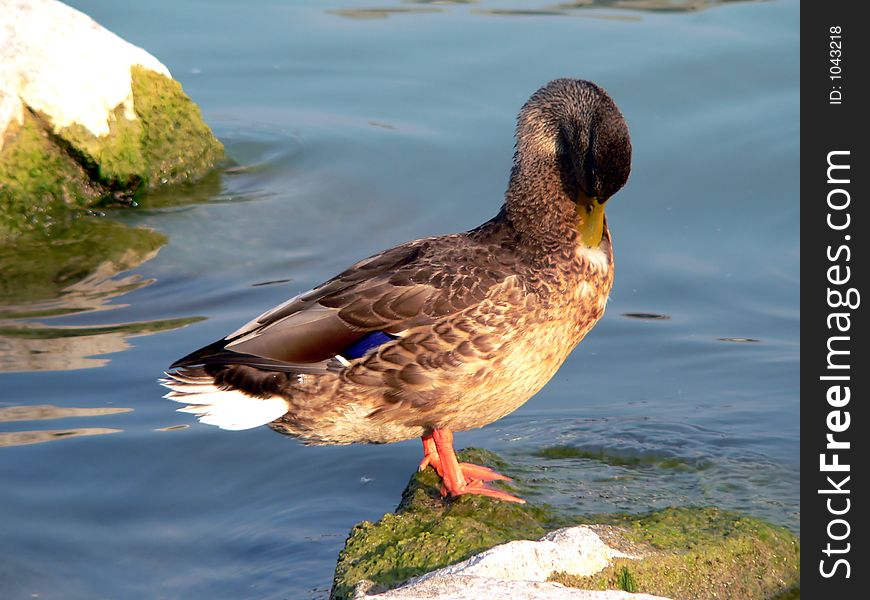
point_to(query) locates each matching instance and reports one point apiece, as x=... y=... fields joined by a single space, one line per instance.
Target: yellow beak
x=590 y=220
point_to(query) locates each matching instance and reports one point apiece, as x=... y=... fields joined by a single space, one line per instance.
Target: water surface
x=355 y=127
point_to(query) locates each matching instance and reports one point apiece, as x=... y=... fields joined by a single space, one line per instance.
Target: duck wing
x=416 y=283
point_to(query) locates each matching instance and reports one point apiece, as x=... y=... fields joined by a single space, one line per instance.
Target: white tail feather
x=227 y=409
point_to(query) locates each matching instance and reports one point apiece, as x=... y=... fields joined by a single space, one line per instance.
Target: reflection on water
x=37 y=347
x=544 y=9
x=172 y=428
x=441 y=1
x=39 y=412
x=74 y=268
x=24 y=438
x=71 y=263
x=645 y=316
x=271 y=282
x=382 y=125
x=651 y=5
x=381 y=13
x=183 y=194
x=89 y=294
x=521 y=12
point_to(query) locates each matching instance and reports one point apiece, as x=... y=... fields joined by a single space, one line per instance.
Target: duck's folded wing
x=413 y=284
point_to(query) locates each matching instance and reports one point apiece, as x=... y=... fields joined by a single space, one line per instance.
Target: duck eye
x=588 y=209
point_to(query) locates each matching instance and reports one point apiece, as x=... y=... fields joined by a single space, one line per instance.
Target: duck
x=441 y=334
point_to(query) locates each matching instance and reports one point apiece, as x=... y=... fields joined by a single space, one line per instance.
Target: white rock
x=519 y=571
x=575 y=550
x=59 y=61
x=469 y=587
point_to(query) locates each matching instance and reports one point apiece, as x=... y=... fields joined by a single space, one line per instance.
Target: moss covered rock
x=85 y=117
x=675 y=553
x=700 y=553
x=426 y=532
x=166 y=143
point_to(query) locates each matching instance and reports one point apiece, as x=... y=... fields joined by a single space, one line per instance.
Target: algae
x=167 y=143
x=112 y=161
x=38 y=180
x=427 y=532
x=622 y=460
x=44 y=172
x=177 y=145
x=701 y=553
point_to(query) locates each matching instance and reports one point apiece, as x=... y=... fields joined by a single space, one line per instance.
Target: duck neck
x=543 y=213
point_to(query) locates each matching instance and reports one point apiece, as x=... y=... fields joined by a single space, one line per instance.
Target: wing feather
x=416 y=283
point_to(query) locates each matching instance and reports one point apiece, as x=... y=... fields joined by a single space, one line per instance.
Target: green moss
x=687 y=528
x=114 y=161
x=167 y=143
x=43 y=172
x=41 y=264
x=38 y=180
x=428 y=533
x=619 y=460
x=702 y=553
x=177 y=145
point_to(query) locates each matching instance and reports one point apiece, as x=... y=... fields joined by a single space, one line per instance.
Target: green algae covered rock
x=689 y=553
x=166 y=143
x=86 y=117
x=426 y=532
x=675 y=553
x=43 y=173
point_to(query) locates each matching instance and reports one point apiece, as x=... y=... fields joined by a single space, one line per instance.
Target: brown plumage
x=476 y=322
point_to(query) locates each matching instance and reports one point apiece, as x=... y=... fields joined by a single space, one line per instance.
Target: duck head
x=573 y=154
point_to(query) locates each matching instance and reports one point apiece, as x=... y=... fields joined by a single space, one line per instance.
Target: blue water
x=357 y=130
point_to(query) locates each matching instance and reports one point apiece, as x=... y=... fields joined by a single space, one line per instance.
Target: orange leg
x=459 y=478
x=469 y=470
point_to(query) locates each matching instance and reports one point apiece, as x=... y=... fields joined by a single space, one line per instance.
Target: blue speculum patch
x=366 y=343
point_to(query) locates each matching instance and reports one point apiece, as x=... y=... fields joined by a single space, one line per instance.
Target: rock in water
x=469 y=587
x=477 y=547
x=520 y=570
x=85 y=115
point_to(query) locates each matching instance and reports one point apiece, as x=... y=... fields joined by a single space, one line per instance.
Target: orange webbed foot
x=480 y=488
x=471 y=471
x=460 y=478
